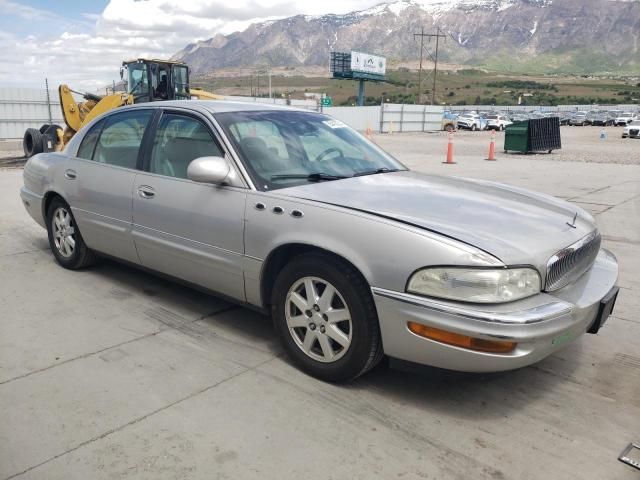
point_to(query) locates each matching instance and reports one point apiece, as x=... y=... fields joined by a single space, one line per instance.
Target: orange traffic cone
x=450 y=150
x=492 y=147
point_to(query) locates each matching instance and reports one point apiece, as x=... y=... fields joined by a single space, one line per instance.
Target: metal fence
x=22 y=108
x=541 y=108
x=410 y=118
x=390 y=117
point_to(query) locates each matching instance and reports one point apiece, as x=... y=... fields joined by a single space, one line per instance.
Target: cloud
x=89 y=52
x=25 y=11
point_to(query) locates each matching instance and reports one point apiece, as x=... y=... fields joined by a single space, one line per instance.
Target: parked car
x=625 y=119
x=352 y=254
x=471 y=121
x=497 y=122
x=632 y=130
x=449 y=121
x=563 y=117
x=602 y=119
x=519 y=117
x=579 y=118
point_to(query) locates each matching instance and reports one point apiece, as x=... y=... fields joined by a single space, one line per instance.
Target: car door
x=193 y=231
x=99 y=182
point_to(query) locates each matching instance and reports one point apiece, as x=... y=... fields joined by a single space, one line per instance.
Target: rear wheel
x=65 y=239
x=326 y=318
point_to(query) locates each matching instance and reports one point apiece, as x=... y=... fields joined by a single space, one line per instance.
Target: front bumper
x=540 y=325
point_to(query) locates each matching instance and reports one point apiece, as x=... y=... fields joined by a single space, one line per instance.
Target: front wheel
x=65 y=240
x=473 y=128
x=325 y=317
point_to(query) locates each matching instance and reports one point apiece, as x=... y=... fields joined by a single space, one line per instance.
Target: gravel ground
x=579 y=144
x=11 y=154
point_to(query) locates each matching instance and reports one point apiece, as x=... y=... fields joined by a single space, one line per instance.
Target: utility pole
x=46 y=83
x=422 y=36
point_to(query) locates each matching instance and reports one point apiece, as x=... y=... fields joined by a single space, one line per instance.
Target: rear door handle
x=146 y=191
x=70 y=174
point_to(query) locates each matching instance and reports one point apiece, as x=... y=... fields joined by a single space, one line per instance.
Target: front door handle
x=146 y=191
x=70 y=174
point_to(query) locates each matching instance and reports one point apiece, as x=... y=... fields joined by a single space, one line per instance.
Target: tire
x=501 y=127
x=62 y=227
x=473 y=127
x=51 y=130
x=32 y=142
x=360 y=347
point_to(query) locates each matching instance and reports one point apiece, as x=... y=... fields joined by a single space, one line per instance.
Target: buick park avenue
x=352 y=254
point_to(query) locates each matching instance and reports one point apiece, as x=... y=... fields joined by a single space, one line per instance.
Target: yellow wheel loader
x=148 y=80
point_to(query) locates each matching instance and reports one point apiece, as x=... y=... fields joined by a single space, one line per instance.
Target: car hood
x=512 y=224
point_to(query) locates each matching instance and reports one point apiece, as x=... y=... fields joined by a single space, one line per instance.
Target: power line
x=422 y=36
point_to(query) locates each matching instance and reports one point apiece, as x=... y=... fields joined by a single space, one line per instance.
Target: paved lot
x=113 y=373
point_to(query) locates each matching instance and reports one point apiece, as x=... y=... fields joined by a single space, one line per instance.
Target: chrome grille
x=570 y=263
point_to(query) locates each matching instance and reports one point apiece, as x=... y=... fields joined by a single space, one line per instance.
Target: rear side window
x=119 y=142
x=88 y=144
x=179 y=140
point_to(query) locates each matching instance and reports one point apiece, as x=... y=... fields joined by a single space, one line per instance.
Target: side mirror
x=208 y=170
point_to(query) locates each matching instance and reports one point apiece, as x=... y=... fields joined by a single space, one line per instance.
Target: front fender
x=385 y=252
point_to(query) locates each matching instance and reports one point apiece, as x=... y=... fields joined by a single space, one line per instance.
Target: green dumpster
x=516 y=137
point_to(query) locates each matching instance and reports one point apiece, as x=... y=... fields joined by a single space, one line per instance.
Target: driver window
x=315 y=144
x=179 y=139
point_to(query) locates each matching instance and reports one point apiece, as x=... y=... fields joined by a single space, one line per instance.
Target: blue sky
x=78 y=15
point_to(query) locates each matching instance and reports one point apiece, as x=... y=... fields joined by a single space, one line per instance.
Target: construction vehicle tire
x=32 y=142
x=51 y=130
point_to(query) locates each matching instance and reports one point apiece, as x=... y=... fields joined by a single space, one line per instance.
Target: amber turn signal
x=462 y=341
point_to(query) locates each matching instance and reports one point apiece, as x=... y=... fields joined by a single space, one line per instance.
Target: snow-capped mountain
x=584 y=34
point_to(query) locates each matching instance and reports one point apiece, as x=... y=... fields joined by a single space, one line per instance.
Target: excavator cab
x=150 y=80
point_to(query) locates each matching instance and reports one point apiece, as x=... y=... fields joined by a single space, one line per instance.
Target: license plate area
x=605 y=310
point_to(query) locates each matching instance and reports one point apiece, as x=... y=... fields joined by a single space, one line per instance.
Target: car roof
x=216 y=106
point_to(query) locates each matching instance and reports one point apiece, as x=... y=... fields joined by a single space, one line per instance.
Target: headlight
x=476 y=285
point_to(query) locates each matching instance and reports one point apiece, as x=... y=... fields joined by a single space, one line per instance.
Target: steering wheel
x=327 y=152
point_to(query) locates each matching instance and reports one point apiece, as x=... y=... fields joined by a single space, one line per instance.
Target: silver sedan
x=353 y=255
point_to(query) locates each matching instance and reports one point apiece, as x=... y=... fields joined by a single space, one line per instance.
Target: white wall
x=22 y=108
x=410 y=118
x=359 y=118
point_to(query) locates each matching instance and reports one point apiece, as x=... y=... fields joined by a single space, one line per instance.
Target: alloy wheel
x=63 y=232
x=318 y=319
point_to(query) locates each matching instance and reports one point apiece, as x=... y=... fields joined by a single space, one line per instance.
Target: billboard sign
x=367 y=63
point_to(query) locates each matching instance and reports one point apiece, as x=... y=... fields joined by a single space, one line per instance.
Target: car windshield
x=288 y=148
x=491 y=117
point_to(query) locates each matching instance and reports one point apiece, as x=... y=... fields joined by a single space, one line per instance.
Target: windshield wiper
x=312 y=177
x=374 y=172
